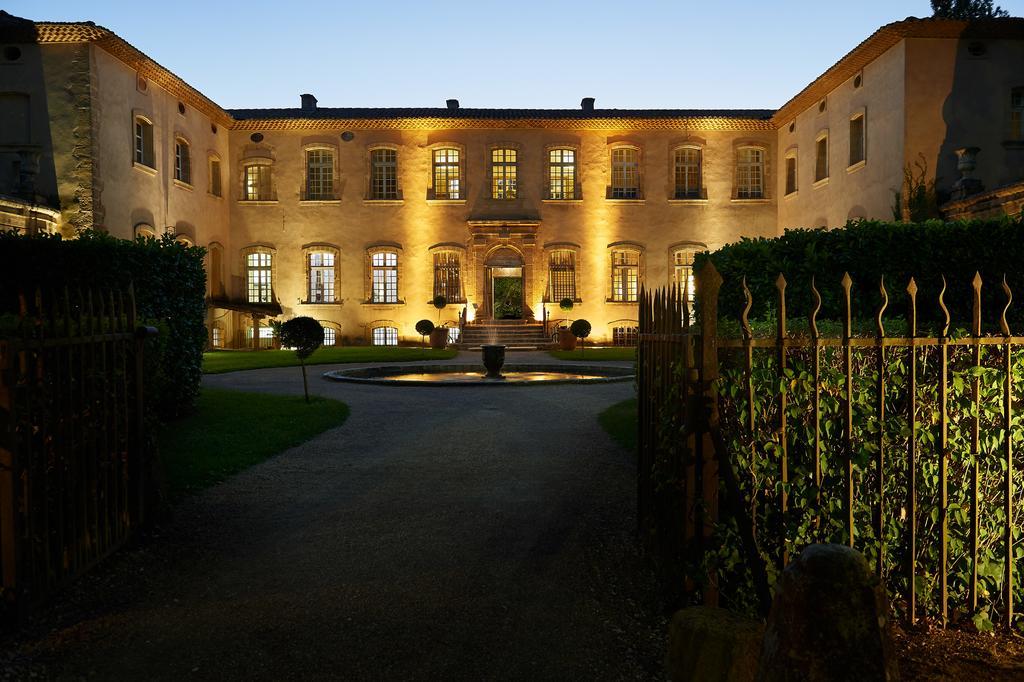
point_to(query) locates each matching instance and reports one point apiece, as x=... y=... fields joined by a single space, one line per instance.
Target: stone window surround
x=315 y=145
x=148 y=118
x=792 y=152
x=382 y=247
x=624 y=322
x=179 y=137
x=689 y=142
x=383 y=323
x=258 y=156
x=861 y=112
x=739 y=145
x=685 y=245
x=577 y=264
x=212 y=278
x=212 y=156
x=463 y=187
x=320 y=247
x=336 y=326
x=635 y=247
x=823 y=134
x=258 y=247
x=575 y=146
x=368 y=174
x=517 y=148
x=454 y=248
x=640 y=175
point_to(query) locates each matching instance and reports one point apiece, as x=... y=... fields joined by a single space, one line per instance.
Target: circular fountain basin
x=472 y=375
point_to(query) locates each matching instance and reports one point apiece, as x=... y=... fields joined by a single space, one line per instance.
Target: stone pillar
x=966 y=162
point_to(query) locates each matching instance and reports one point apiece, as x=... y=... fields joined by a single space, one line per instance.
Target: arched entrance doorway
x=503 y=284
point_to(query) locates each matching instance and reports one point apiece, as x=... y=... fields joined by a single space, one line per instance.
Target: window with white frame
x=856 y=139
x=384 y=174
x=264 y=340
x=561 y=275
x=686 y=171
x=821 y=157
x=750 y=173
x=1016 y=131
x=562 y=174
x=682 y=269
x=448 y=276
x=216 y=188
x=385 y=336
x=791 y=173
x=330 y=336
x=447 y=174
x=182 y=161
x=319 y=174
x=384 y=277
x=258 y=276
x=625 y=275
x=321 y=276
x=217 y=337
x=625 y=173
x=144 y=142
x=504 y=173
x=625 y=335
x=257 y=182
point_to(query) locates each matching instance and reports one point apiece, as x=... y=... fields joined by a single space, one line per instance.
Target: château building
x=359 y=217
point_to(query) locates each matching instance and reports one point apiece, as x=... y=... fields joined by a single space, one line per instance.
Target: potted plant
x=439 y=335
x=424 y=328
x=580 y=329
x=566 y=341
x=305 y=335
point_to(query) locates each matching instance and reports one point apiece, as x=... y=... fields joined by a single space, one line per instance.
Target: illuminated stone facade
x=358 y=217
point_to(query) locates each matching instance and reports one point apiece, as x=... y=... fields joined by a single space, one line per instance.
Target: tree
x=967 y=9
x=439 y=302
x=305 y=335
x=581 y=330
x=423 y=328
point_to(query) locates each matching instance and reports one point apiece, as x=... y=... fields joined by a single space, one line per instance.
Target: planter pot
x=439 y=338
x=566 y=341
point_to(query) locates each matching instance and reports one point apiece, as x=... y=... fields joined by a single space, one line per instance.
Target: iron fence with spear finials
x=893 y=437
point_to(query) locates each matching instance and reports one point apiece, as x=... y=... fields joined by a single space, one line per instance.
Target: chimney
x=587 y=104
x=453 y=104
x=308 y=102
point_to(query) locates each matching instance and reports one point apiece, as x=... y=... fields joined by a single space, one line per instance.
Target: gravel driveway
x=459 y=533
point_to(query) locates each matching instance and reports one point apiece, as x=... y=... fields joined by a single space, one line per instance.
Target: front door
x=507 y=293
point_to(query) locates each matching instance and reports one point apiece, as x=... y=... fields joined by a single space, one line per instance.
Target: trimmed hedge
x=870 y=249
x=170 y=292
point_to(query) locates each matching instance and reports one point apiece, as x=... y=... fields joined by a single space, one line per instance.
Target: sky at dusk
x=493 y=54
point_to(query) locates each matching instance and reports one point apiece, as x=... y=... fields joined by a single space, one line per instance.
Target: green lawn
x=595 y=354
x=230 y=431
x=619 y=421
x=217 y=362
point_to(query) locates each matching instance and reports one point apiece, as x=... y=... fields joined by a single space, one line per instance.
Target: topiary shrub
x=581 y=330
x=439 y=302
x=423 y=328
x=305 y=335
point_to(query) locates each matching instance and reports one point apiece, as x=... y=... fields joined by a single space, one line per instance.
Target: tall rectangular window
x=856 y=139
x=257 y=182
x=384 y=277
x=682 y=270
x=625 y=173
x=821 y=158
x=321 y=277
x=504 y=172
x=215 y=179
x=384 y=174
x=330 y=335
x=182 y=162
x=447 y=174
x=625 y=275
x=562 y=275
x=447 y=276
x=750 y=173
x=258 y=277
x=144 y=142
x=1016 y=131
x=687 y=173
x=562 y=174
x=319 y=174
x=791 y=167
x=217 y=337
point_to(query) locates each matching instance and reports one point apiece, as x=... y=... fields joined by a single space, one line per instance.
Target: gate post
x=709 y=282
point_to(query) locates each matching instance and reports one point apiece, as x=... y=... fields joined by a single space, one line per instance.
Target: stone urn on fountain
x=494 y=359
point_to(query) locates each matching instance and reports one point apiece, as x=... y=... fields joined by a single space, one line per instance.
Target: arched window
x=625 y=271
x=257 y=180
x=448 y=276
x=504 y=173
x=625 y=173
x=216 y=273
x=624 y=332
x=561 y=275
x=215 y=187
x=447 y=174
x=792 y=172
x=144 y=142
x=821 y=156
x=682 y=269
x=321 y=274
x=259 y=273
x=384 y=276
x=182 y=161
x=145 y=230
x=750 y=173
x=687 y=173
x=562 y=174
x=331 y=332
x=384 y=336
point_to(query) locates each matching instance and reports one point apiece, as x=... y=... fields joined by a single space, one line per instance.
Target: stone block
x=713 y=645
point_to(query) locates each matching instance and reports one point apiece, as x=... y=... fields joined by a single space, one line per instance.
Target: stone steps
x=515 y=334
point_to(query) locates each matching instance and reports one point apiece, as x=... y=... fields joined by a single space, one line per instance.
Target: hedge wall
x=870 y=249
x=170 y=292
